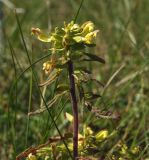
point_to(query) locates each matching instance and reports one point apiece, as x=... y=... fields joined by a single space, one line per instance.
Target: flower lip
x=35 y=31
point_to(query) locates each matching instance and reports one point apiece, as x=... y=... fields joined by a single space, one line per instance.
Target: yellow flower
x=135 y=150
x=49 y=65
x=87 y=27
x=31 y=157
x=40 y=35
x=69 y=117
x=124 y=149
x=102 y=135
x=89 y=130
x=90 y=37
x=69 y=35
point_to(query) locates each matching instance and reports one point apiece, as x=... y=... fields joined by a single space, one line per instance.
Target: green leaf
x=77 y=46
x=90 y=45
x=93 y=57
x=76 y=56
x=81 y=91
x=61 y=66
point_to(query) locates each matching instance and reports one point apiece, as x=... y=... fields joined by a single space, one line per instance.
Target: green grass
x=123 y=40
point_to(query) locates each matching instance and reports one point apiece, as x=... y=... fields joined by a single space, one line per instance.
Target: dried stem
x=74 y=108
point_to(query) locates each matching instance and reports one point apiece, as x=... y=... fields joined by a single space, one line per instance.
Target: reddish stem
x=74 y=108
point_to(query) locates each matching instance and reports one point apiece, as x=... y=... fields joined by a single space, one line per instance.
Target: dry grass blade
x=49 y=104
x=113 y=76
x=131 y=76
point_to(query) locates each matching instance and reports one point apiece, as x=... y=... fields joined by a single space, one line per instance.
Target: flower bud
x=31 y=157
x=102 y=135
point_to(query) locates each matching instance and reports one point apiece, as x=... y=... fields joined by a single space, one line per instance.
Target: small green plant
x=67 y=46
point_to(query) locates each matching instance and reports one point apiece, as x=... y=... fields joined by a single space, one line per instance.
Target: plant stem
x=74 y=108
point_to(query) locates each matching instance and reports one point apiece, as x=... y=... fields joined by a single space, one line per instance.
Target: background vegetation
x=124 y=44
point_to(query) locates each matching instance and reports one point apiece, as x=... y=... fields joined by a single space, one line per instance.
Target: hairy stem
x=74 y=108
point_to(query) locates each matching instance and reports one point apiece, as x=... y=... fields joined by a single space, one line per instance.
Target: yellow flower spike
x=31 y=157
x=40 y=35
x=69 y=35
x=101 y=135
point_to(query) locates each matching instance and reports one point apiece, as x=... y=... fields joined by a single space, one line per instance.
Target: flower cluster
x=68 y=42
x=69 y=35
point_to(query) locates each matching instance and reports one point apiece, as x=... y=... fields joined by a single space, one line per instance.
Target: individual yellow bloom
x=68 y=27
x=87 y=27
x=102 y=135
x=80 y=136
x=88 y=131
x=75 y=27
x=48 y=67
x=69 y=117
x=35 y=31
x=31 y=157
x=40 y=35
x=135 y=150
x=90 y=37
x=124 y=149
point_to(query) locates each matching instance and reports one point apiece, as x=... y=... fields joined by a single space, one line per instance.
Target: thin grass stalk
x=29 y=106
x=56 y=118
x=13 y=100
x=78 y=11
